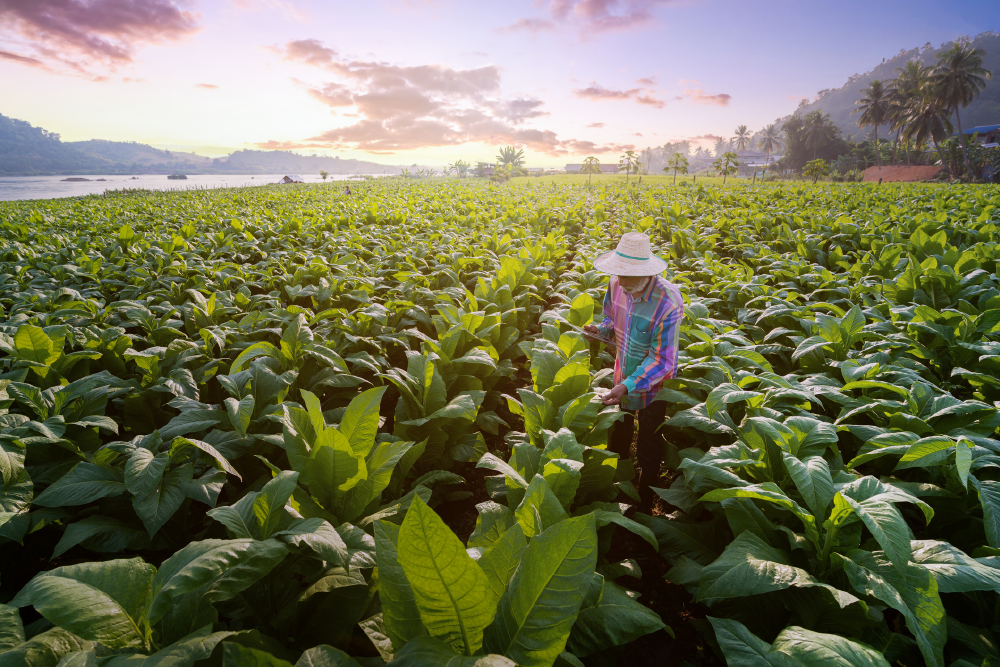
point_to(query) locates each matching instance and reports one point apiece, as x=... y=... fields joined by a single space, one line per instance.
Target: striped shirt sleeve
x=607 y=327
x=661 y=362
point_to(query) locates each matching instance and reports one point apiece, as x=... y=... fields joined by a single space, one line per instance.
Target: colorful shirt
x=646 y=327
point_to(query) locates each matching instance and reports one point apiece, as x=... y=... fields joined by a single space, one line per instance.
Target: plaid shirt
x=646 y=327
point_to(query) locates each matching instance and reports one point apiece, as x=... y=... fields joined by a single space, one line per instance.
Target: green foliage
x=231 y=419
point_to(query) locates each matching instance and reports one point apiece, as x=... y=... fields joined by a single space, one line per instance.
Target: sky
x=434 y=81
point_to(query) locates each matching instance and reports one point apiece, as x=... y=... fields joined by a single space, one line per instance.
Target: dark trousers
x=649 y=446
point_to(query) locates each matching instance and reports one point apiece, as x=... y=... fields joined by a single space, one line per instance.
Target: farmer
x=644 y=312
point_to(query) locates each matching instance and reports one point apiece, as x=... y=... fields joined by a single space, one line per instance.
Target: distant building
x=989 y=135
x=292 y=178
x=751 y=161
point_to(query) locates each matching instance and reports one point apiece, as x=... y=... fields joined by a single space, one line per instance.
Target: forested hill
x=839 y=102
x=29 y=150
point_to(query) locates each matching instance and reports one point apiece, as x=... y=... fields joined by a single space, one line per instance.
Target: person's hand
x=615 y=396
x=592 y=330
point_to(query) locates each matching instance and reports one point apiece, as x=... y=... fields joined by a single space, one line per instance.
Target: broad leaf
x=450 y=590
x=538 y=609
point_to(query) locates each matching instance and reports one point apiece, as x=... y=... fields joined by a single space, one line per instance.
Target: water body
x=51 y=187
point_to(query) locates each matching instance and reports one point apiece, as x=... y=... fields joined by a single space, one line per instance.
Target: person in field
x=643 y=311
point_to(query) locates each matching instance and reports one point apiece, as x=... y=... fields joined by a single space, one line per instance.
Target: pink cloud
x=596 y=93
x=532 y=25
x=206 y=86
x=590 y=16
x=596 y=125
x=647 y=81
x=699 y=96
x=81 y=34
x=413 y=107
x=34 y=62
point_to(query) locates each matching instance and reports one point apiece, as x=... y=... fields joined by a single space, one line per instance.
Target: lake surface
x=50 y=187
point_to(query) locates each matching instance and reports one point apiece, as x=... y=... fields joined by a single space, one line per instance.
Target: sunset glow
x=400 y=81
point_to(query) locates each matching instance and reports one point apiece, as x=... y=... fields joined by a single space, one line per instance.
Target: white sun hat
x=631 y=258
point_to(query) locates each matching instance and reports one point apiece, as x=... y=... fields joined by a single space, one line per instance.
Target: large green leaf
x=913 y=592
x=217 y=569
x=794 y=647
x=502 y=557
x=400 y=615
x=269 y=505
x=537 y=611
x=540 y=509
x=989 y=496
x=813 y=480
x=360 y=421
x=954 y=571
x=749 y=566
x=102 y=602
x=808 y=648
x=617 y=619
x=235 y=655
x=325 y=656
x=318 y=535
x=102 y=534
x=424 y=651
x=83 y=484
x=11 y=628
x=33 y=344
x=183 y=653
x=493 y=521
x=45 y=649
x=450 y=590
x=771 y=493
x=381 y=463
x=259 y=349
x=334 y=468
x=887 y=526
x=157 y=506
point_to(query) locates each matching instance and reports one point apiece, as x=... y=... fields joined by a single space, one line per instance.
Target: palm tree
x=721 y=146
x=929 y=121
x=591 y=166
x=742 y=138
x=770 y=139
x=874 y=110
x=958 y=78
x=818 y=130
x=677 y=162
x=906 y=94
x=511 y=156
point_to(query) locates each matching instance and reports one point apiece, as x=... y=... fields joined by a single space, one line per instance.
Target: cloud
x=34 y=62
x=403 y=108
x=699 y=96
x=207 y=86
x=83 y=34
x=638 y=134
x=590 y=17
x=596 y=125
x=310 y=52
x=532 y=25
x=647 y=81
x=596 y=93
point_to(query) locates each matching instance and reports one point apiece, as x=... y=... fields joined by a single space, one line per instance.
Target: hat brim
x=616 y=265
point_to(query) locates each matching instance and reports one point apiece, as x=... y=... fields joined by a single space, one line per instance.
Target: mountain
x=29 y=150
x=839 y=102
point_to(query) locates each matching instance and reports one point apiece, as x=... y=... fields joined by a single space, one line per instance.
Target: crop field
x=282 y=426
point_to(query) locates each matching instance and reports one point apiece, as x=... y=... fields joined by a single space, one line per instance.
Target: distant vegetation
x=29 y=150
